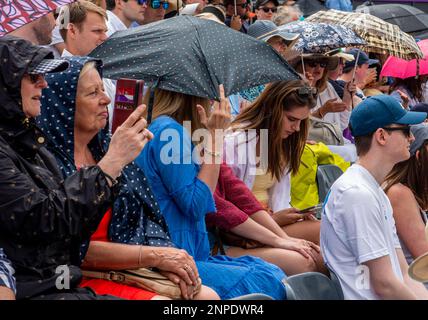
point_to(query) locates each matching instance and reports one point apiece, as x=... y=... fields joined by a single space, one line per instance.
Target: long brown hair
x=413 y=173
x=266 y=112
x=415 y=86
x=321 y=84
x=180 y=106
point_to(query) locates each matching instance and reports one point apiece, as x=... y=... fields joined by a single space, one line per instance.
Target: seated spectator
x=406 y=187
x=155 y=11
x=329 y=106
x=184 y=184
x=7 y=281
x=282 y=110
x=266 y=9
x=358 y=238
x=236 y=15
x=122 y=13
x=364 y=74
x=132 y=233
x=45 y=217
x=85 y=31
x=247 y=229
x=38 y=32
x=413 y=88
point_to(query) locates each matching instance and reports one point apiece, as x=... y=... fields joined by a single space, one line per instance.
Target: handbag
x=325 y=132
x=144 y=278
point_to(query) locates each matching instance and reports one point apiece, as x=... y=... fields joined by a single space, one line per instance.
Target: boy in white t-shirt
x=358 y=236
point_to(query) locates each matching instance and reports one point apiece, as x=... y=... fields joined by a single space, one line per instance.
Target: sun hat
x=49 y=66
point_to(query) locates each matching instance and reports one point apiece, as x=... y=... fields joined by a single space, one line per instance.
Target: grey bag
x=325 y=132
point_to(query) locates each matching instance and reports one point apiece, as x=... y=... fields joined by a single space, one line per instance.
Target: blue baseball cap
x=379 y=111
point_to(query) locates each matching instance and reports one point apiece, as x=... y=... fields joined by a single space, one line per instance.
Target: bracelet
x=110 y=178
x=215 y=154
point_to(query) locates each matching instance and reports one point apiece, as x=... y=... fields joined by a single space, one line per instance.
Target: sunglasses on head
x=405 y=130
x=266 y=10
x=306 y=91
x=313 y=64
x=156 y=4
x=141 y=2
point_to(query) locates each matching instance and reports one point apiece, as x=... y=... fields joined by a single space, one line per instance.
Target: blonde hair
x=87 y=67
x=179 y=106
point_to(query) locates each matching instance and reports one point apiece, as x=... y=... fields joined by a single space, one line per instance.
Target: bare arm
x=263 y=218
x=384 y=282
x=416 y=287
x=410 y=226
x=6 y=294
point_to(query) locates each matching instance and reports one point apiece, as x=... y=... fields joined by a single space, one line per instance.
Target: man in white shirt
x=122 y=13
x=85 y=31
x=358 y=236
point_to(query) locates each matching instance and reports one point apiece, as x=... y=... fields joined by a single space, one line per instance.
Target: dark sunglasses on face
x=35 y=78
x=405 y=130
x=141 y=2
x=313 y=64
x=156 y=4
x=266 y=10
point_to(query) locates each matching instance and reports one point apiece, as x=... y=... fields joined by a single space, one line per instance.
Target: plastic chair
x=253 y=296
x=326 y=176
x=312 y=286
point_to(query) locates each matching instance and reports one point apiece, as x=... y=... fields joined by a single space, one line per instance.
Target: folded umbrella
x=15 y=13
x=399 y=68
x=321 y=37
x=381 y=37
x=191 y=55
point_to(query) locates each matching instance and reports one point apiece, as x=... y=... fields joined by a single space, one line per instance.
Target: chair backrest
x=326 y=175
x=312 y=286
x=253 y=296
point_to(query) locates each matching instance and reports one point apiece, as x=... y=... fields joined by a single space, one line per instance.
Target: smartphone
x=315 y=209
x=129 y=95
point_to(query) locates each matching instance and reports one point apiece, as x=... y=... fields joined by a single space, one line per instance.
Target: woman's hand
x=333 y=105
x=188 y=292
x=126 y=143
x=304 y=247
x=220 y=116
x=177 y=261
x=287 y=216
x=348 y=92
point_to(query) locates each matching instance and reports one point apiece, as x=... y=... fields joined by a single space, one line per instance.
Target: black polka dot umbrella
x=193 y=56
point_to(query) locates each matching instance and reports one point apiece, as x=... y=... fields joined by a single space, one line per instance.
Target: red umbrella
x=16 y=13
x=399 y=68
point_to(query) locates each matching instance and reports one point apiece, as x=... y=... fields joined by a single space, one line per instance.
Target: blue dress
x=184 y=201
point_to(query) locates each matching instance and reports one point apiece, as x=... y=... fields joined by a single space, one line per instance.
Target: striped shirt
x=6 y=272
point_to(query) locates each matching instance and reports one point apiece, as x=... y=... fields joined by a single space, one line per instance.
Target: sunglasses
x=266 y=10
x=405 y=130
x=36 y=78
x=242 y=5
x=141 y=2
x=156 y=4
x=306 y=91
x=313 y=64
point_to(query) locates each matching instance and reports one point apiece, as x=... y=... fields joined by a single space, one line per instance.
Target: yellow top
x=262 y=184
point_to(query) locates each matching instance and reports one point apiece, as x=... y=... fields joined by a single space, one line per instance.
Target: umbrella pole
x=234 y=3
x=356 y=64
x=303 y=68
x=150 y=106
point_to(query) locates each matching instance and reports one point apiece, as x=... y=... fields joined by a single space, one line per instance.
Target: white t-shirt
x=357 y=226
x=114 y=23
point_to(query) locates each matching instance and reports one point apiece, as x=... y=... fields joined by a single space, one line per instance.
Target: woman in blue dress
x=183 y=180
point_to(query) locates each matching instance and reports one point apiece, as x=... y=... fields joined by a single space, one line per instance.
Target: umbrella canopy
x=381 y=37
x=15 y=13
x=410 y=19
x=321 y=37
x=193 y=56
x=399 y=68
